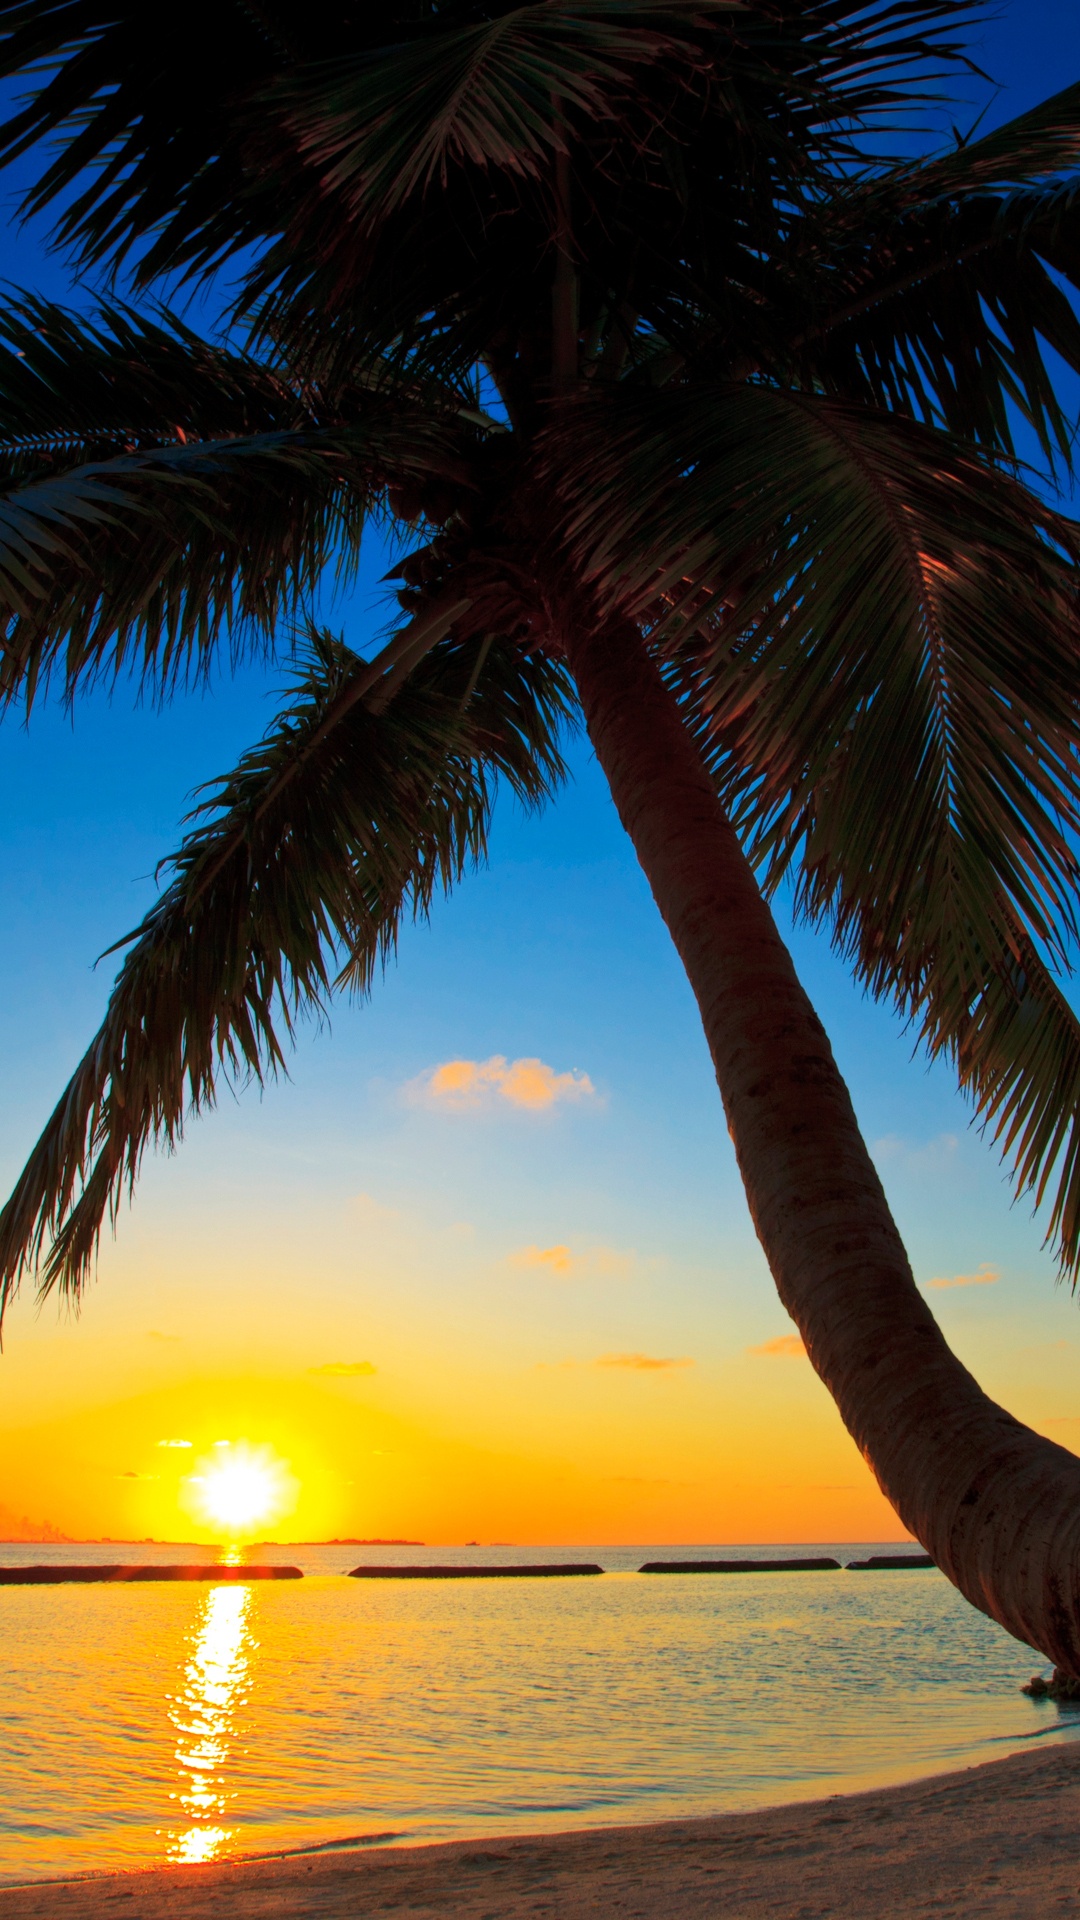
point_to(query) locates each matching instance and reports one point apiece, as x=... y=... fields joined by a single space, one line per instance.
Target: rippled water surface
x=145 y=1723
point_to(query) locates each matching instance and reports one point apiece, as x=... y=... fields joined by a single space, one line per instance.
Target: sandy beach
x=999 y=1840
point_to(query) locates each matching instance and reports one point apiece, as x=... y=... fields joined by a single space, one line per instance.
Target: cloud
x=786 y=1346
x=346 y=1369
x=622 y=1362
x=1065 y=1431
x=560 y=1263
x=910 y=1157
x=167 y=1339
x=365 y=1207
x=174 y=1443
x=641 y=1480
x=463 y=1085
x=640 y=1362
x=558 y=1260
x=987 y=1276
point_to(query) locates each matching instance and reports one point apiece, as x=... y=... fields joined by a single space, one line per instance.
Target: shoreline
x=999 y=1839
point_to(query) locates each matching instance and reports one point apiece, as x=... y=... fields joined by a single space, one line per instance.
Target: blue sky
x=340 y=1217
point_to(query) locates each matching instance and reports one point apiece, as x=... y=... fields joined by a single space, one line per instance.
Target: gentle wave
x=164 y=1722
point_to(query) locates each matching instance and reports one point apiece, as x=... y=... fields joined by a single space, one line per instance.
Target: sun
x=241 y=1488
x=239 y=1493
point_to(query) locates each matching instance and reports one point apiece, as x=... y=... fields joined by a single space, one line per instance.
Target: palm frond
x=878 y=637
x=936 y=287
x=293 y=883
x=1032 y=146
x=158 y=493
x=77 y=386
x=954 y=314
x=139 y=122
x=187 y=161
x=979 y=994
x=494 y=94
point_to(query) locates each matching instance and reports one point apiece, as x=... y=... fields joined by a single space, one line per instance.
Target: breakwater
x=540 y=1572
x=741 y=1566
x=890 y=1562
x=56 y=1575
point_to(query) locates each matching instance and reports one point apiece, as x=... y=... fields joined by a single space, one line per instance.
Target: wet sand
x=998 y=1840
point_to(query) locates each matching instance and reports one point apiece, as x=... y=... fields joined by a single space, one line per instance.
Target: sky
x=480 y=1268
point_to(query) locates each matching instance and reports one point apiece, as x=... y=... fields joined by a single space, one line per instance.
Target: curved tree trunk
x=997 y=1506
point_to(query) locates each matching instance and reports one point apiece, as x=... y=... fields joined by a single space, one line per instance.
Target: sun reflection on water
x=216 y=1683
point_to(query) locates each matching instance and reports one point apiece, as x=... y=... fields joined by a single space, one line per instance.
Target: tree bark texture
x=996 y=1505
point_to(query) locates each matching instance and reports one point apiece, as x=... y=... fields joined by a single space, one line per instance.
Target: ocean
x=152 y=1723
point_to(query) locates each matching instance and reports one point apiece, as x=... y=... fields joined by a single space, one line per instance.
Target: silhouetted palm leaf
x=874 y=629
x=934 y=287
x=490 y=94
x=293 y=885
x=878 y=637
x=157 y=491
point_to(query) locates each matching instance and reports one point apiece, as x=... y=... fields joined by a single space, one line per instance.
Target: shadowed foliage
x=292 y=883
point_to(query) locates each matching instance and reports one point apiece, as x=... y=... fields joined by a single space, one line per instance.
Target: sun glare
x=241 y=1489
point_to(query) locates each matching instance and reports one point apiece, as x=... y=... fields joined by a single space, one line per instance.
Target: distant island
x=17 y=1530
x=21 y=1533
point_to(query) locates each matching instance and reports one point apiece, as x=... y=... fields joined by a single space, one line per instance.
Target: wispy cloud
x=911 y=1156
x=619 y=1362
x=985 y=1276
x=346 y=1369
x=561 y=1263
x=372 y=1213
x=641 y=1362
x=786 y=1346
x=557 y=1260
x=641 y=1480
x=174 y=1443
x=1065 y=1431
x=465 y=1085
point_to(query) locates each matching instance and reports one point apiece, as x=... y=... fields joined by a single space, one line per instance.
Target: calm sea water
x=151 y=1723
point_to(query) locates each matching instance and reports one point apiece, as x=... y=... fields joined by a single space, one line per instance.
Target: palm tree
x=700 y=406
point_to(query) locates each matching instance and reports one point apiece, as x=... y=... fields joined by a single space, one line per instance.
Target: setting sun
x=243 y=1488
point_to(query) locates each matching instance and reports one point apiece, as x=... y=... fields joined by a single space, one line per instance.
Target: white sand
x=999 y=1840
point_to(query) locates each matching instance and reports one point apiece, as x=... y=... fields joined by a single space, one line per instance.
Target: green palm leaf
x=494 y=94
x=979 y=994
x=935 y=286
x=295 y=883
x=236 y=487
x=877 y=635
x=137 y=101
x=152 y=145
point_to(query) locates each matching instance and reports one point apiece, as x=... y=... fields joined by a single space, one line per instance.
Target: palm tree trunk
x=997 y=1506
